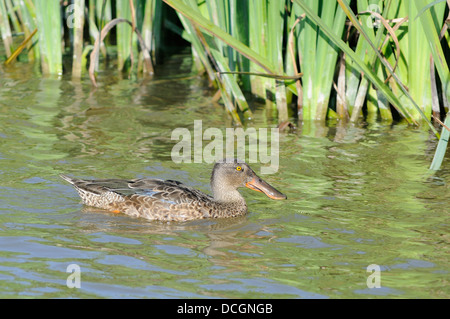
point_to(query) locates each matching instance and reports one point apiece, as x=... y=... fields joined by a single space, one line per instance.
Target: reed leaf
x=209 y=27
x=239 y=27
x=429 y=25
x=197 y=46
x=370 y=58
x=5 y=29
x=147 y=30
x=78 y=27
x=27 y=13
x=218 y=52
x=392 y=98
x=258 y=43
x=356 y=84
x=124 y=34
x=404 y=111
x=412 y=59
x=326 y=58
x=291 y=68
x=103 y=12
x=432 y=35
x=49 y=31
x=227 y=42
x=442 y=145
x=20 y=48
x=275 y=26
x=318 y=54
x=230 y=82
x=13 y=17
x=96 y=49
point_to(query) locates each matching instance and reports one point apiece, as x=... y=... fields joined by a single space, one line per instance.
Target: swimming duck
x=168 y=200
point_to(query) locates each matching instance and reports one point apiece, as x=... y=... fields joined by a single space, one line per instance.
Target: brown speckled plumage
x=169 y=200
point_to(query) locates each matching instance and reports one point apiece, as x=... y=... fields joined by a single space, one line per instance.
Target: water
x=357 y=196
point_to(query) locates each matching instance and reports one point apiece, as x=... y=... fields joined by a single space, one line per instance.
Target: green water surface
x=357 y=195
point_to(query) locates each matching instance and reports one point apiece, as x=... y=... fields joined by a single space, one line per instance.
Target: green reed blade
x=432 y=35
x=12 y=16
x=391 y=97
x=367 y=71
x=229 y=81
x=147 y=28
x=200 y=60
x=271 y=76
x=123 y=33
x=382 y=102
x=351 y=54
x=442 y=146
x=275 y=34
x=419 y=79
x=257 y=42
x=413 y=63
x=103 y=12
x=93 y=30
x=327 y=54
x=5 y=29
x=352 y=75
x=209 y=27
x=239 y=27
x=216 y=50
x=307 y=48
x=428 y=18
x=78 y=27
x=356 y=95
x=318 y=55
x=197 y=46
x=49 y=31
x=216 y=31
x=371 y=105
x=28 y=17
x=219 y=15
x=291 y=54
x=158 y=32
x=125 y=39
x=103 y=34
x=20 y=48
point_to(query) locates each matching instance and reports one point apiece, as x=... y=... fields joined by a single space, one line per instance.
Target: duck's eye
x=239 y=168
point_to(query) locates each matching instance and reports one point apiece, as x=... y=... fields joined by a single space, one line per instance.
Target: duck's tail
x=67 y=178
x=94 y=194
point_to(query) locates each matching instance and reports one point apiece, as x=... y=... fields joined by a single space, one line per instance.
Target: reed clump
x=311 y=59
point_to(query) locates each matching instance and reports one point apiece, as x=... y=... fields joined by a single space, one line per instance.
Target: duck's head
x=230 y=174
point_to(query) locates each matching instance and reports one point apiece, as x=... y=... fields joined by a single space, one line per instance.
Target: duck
x=170 y=200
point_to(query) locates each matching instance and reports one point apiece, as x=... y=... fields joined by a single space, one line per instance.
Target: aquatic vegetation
x=315 y=60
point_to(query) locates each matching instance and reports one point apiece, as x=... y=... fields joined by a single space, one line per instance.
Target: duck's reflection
x=219 y=240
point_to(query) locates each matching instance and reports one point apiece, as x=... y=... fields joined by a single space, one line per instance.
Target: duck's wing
x=167 y=200
x=166 y=190
x=174 y=191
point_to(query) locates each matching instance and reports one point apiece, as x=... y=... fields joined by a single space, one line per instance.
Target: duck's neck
x=227 y=201
x=226 y=195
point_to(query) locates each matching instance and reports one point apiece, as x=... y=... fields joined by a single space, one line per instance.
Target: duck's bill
x=257 y=184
